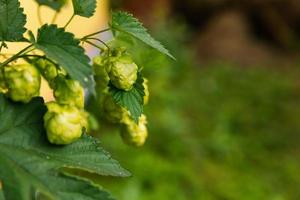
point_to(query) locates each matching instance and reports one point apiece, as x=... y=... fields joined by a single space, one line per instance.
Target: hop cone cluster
x=116 y=67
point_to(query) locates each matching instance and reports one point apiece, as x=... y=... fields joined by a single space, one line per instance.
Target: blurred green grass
x=216 y=132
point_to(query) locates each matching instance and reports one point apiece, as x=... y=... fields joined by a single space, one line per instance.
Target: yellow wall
x=80 y=25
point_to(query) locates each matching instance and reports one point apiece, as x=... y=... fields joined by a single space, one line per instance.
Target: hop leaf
x=12 y=21
x=63 y=48
x=31 y=167
x=84 y=8
x=125 y=23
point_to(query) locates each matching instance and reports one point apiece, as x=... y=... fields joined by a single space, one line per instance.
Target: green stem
x=16 y=56
x=39 y=15
x=97 y=39
x=96 y=33
x=38 y=56
x=54 y=17
x=95 y=45
x=72 y=17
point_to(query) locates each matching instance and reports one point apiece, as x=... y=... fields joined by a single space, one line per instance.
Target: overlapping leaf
x=126 y=23
x=132 y=100
x=84 y=8
x=54 y=4
x=30 y=165
x=12 y=21
x=63 y=48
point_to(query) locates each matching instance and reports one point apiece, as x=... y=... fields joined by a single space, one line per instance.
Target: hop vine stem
x=95 y=45
x=97 y=39
x=96 y=33
x=16 y=56
x=37 y=56
x=71 y=18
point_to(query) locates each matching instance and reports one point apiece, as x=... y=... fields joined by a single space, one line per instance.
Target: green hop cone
x=23 y=82
x=47 y=69
x=113 y=112
x=123 y=72
x=100 y=65
x=69 y=92
x=146 y=90
x=134 y=134
x=63 y=123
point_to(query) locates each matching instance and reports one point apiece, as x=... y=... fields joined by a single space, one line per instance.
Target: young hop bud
x=134 y=134
x=113 y=112
x=69 y=92
x=23 y=82
x=123 y=73
x=146 y=90
x=63 y=123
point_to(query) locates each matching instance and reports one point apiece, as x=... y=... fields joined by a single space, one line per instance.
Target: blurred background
x=223 y=118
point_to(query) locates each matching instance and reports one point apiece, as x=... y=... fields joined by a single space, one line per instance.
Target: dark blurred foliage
x=274 y=20
x=242 y=31
x=217 y=130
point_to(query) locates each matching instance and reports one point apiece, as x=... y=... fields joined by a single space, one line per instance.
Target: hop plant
x=69 y=92
x=23 y=82
x=123 y=72
x=63 y=123
x=134 y=134
x=56 y=54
